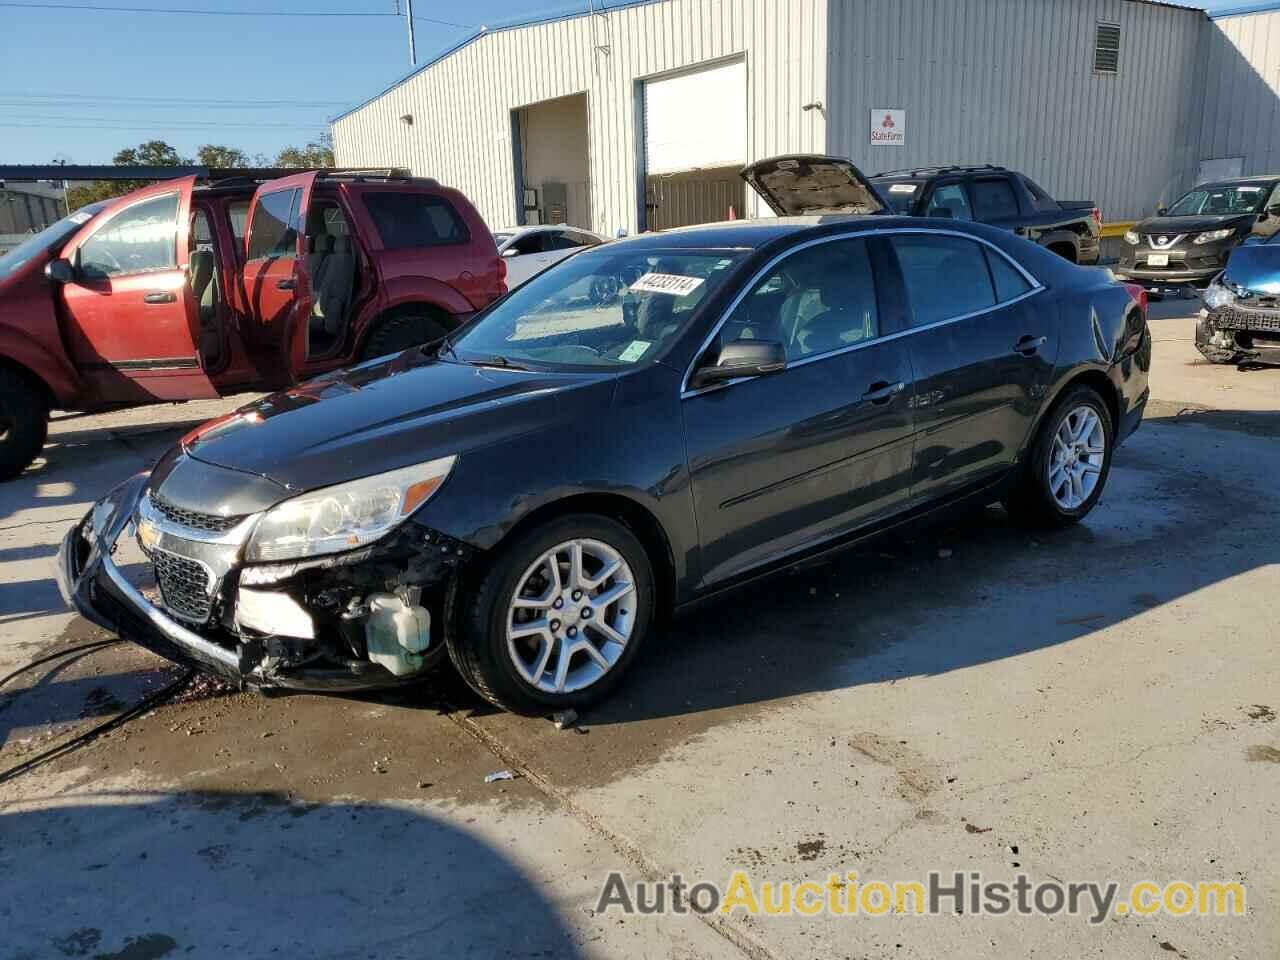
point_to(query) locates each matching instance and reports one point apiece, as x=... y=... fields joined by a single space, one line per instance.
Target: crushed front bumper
x=1238 y=334
x=92 y=583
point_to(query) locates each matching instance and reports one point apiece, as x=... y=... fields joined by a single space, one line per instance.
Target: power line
x=90 y=123
x=102 y=8
x=162 y=101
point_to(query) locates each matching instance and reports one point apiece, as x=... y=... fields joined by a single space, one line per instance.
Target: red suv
x=181 y=291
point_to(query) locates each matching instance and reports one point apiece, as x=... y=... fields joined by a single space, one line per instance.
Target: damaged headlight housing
x=345 y=516
x=1218 y=294
x=1131 y=237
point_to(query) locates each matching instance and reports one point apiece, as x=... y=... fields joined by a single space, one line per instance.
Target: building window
x=1106 y=48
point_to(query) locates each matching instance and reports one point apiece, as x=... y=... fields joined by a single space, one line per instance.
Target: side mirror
x=1162 y=211
x=510 y=252
x=60 y=271
x=743 y=358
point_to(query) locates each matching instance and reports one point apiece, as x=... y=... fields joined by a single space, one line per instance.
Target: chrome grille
x=209 y=522
x=1231 y=318
x=185 y=586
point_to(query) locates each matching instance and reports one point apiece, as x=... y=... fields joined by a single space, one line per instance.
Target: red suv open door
x=277 y=283
x=131 y=321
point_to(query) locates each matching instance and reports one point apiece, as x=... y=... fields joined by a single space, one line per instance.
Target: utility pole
x=408 y=15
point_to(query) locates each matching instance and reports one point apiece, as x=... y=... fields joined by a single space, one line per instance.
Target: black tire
x=1031 y=501
x=24 y=421
x=401 y=332
x=478 y=609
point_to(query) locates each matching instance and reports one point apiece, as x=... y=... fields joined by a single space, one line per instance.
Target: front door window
x=140 y=239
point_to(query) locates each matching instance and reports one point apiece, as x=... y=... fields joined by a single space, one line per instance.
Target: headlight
x=1218 y=296
x=1131 y=237
x=345 y=516
x=1213 y=235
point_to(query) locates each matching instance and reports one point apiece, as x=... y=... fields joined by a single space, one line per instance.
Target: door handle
x=1029 y=346
x=284 y=284
x=160 y=296
x=882 y=392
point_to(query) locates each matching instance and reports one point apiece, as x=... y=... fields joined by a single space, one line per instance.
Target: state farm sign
x=888 y=128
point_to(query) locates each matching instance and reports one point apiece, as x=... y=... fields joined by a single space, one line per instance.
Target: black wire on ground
x=62 y=749
x=82 y=648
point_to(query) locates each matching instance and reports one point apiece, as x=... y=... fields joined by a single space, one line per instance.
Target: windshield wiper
x=497 y=360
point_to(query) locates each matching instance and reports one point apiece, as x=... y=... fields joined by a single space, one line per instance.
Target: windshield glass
x=51 y=236
x=606 y=308
x=1219 y=201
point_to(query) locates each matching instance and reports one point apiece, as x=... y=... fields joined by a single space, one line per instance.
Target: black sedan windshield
x=48 y=238
x=611 y=307
x=1220 y=201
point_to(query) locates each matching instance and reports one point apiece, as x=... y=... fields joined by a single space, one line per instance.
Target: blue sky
x=82 y=84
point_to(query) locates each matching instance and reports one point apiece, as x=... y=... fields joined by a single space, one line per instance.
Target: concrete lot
x=1098 y=704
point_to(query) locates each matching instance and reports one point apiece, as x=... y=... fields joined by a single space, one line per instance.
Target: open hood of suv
x=800 y=184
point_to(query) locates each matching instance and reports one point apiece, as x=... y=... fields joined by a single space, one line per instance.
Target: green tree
x=316 y=155
x=221 y=157
x=151 y=153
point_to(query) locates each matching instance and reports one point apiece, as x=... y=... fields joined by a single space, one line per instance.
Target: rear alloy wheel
x=24 y=422
x=1070 y=462
x=558 y=617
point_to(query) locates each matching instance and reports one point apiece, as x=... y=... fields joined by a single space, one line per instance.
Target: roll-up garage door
x=696 y=120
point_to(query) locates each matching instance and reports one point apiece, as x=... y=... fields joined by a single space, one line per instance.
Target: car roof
x=752 y=234
x=540 y=228
x=1237 y=181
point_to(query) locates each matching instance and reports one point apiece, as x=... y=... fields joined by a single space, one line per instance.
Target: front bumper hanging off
x=93 y=583
x=1236 y=334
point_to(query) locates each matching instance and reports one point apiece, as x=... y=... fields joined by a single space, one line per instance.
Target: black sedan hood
x=1175 y=226
x=388 y=414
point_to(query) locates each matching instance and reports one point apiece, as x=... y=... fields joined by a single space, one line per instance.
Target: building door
x=695 y=142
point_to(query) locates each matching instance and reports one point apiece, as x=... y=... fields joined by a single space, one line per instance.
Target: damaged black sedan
x=645 y=425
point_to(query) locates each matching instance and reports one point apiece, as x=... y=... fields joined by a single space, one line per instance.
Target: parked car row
x=642 y=426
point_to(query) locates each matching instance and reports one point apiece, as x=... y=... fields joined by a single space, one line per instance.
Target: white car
x=530 y=250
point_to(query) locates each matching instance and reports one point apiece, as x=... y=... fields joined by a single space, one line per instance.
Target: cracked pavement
x=1097 y=704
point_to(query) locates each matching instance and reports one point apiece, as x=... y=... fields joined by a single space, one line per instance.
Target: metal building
x=1239 y=129
x=639 y=116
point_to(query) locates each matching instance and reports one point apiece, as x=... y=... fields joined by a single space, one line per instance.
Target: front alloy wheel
x=571 y=616
x=556 y=618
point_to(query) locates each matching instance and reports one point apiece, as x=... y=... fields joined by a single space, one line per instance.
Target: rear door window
x=238 y=212
x=405 y=220
x=1010 y=284
x=275 y=226
x=140 y=239
x=950 y=202
x=993 y=199
x=945 y=276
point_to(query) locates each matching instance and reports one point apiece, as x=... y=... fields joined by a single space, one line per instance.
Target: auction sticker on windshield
x=671 y=283
x=903 y=188
x=635 y=350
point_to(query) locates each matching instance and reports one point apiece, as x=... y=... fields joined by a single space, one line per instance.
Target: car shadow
x=141 y=875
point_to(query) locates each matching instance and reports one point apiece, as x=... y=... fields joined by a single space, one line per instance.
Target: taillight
x=1139 y=295
x=1097 y=216
x=502 y=276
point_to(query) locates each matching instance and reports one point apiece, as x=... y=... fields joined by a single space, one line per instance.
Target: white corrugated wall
x=1012 y=82
x=1242 y=97
x=461 y=131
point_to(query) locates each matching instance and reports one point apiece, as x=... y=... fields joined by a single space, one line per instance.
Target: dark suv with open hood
x=1188 y=243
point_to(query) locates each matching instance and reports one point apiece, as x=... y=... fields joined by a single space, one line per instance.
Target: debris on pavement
x=974 y=828
x=499 y=775
x=565 y=719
